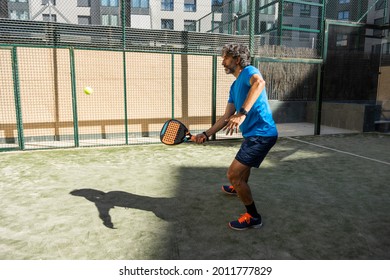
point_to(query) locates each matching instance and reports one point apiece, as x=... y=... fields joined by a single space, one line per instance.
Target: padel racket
x=174 y=132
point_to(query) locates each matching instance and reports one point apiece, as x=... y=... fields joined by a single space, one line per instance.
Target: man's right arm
x=221 y=122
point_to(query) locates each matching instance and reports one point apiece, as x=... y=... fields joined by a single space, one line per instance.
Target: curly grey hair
x=237 y=50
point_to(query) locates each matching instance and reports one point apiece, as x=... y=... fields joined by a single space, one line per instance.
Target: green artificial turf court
x=321 y=197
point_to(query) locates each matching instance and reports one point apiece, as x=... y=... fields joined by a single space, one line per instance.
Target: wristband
x=204 y=133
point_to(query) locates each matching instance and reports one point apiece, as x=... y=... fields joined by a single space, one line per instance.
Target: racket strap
x=187 y=137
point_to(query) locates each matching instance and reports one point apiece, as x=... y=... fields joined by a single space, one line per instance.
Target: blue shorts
x=254 y=149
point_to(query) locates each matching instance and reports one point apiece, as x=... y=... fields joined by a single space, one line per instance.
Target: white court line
x=339 y=151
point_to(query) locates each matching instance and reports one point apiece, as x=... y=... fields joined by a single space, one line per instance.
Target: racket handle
x=192 y=138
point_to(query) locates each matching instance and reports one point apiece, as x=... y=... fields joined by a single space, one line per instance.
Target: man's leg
x=238 y=175
x=229 y=189
x=251 y=154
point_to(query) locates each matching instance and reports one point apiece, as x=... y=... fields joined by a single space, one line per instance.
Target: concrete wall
x=383 y=97
x=289 y=111
x=353 y=116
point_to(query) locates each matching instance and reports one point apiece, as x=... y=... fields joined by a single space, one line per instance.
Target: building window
x=243 y=27
x=288 y=9
x=343 y=1
x=305 y=10
x=22 y=15
x=83 y=3
x=109 y=3
x=45 y=2
x=111 y=20
x=84 y=20
x=140 y=4
x=343 y=15
x=341 y=40
x=190 y=6
x=263 y=26
x=189 y=25
x=380 y=5
x=166 y=5
x=240 y=6
x=140 y=7
x=167 y=24
x=49 y=17
x=386 y=48
x=378 y=21
x=218 y=27
x=304 y=35
x=270 y=10
x=216 y=6
x=287 y=34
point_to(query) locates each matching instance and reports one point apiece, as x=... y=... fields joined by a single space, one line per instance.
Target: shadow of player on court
x=104 y=201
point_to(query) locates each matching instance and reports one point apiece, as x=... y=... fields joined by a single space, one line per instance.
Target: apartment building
x=379 y=15
x=301 y=23
x=297 y=23
x=348 y=10
x=370 y=12
x=3 y=9
x=149 y=14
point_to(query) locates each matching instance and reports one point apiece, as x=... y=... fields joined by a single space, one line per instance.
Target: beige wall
x=46 y=91
x=7 y=104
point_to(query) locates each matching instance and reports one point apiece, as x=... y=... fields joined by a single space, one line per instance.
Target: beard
x=230 y=69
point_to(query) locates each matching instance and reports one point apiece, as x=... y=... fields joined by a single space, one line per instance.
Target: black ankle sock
x=251 y=209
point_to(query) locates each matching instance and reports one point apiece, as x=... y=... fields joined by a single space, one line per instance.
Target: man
x=247 y=109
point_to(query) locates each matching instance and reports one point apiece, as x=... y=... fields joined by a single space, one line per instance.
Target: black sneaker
x=246 y=221
x=229 y=190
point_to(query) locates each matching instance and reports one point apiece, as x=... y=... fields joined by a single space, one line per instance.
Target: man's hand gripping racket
x=174 y=132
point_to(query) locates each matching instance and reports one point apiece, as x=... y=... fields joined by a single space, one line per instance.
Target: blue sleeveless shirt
x=259 y=121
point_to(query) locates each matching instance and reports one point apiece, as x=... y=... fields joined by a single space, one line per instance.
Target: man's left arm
x=257 y=86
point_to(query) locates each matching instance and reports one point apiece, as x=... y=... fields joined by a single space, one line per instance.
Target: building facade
x=287 y=22
x=147 y=14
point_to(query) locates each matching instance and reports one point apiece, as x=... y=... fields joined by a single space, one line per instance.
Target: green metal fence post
x=18 y=107
x=125 y=99
x=317 y=121
x=280 y=25
x=212 y=22
x=74 y=98
x=230 y=13
x=320 y=78
x=252 y=17
x=124 y=71
x=214 y=94
x=173 y=84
